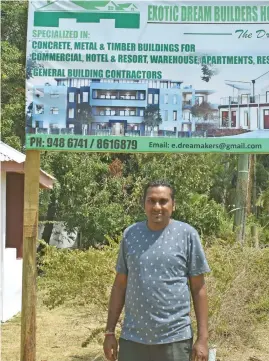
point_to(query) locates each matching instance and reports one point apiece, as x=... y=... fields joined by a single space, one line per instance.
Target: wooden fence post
x=30 y=232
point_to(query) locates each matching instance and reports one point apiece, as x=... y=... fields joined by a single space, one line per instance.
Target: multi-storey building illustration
x=48 y=109
x=118 y=106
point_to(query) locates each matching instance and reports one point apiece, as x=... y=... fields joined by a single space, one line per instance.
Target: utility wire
x=262 y=75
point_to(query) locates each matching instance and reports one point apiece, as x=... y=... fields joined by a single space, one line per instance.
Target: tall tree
x=152 y=117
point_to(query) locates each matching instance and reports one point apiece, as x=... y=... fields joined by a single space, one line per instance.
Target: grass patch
x=238 y=293
x=73 y=295
x=62 y=331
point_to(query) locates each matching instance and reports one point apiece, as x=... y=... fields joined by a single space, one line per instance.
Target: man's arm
x=199 y=296
x=116 y=303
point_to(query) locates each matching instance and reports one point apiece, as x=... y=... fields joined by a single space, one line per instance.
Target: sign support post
x=30 y=228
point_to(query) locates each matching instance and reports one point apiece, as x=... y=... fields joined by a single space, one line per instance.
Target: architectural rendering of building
x=245 y=111
x=116 y=107
x=191 y=97
x=47 y=113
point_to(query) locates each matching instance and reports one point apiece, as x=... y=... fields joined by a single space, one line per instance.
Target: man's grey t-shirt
x=158 y=265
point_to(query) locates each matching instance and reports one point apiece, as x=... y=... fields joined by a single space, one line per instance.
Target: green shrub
x=203 y=213
x=238 y=291
x=84 y=277
x=237 y=286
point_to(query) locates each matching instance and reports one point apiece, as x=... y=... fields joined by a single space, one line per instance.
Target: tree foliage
x=13 y=49
x=152 y=117
x=84 y=117
x=102 y=194
x=202 y=111
x=207 y=72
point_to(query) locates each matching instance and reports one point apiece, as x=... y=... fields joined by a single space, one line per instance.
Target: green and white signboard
x=148 y=76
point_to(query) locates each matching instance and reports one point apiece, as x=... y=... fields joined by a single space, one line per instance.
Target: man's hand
x=110 y=347
x=200 y=351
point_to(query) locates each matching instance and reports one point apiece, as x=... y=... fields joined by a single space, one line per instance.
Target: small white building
x=11 y=242
x=245 y=111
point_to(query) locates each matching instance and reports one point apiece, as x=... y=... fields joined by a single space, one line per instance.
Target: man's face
x=158 y=206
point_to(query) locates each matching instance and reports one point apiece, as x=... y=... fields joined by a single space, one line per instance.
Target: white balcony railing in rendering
x=245 y=99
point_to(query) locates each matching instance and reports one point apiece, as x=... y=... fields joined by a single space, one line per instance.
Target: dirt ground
x=62 y=331
x=60 y=334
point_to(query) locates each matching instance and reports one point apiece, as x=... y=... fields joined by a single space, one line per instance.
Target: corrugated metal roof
x=9 y=154
x=47 y=174
x=4 y=158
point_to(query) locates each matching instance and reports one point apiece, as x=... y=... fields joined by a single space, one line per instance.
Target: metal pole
x=253 y=90
x=241 y=197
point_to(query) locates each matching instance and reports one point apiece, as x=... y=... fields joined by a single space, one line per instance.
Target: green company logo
x=126 y=15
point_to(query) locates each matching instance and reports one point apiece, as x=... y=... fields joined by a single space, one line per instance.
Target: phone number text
x=74 y=143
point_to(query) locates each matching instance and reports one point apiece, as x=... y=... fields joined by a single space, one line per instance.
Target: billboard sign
x=148 y=76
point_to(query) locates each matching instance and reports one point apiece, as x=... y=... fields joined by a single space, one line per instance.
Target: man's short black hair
x=159 y=183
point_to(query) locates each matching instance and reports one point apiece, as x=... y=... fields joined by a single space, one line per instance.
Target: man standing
x=159 y=260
